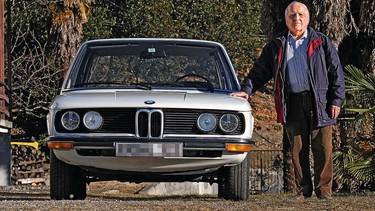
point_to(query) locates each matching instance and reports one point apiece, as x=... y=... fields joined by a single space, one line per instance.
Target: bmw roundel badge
x=149 y=102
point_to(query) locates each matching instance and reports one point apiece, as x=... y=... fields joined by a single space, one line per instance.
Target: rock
x=179 y=188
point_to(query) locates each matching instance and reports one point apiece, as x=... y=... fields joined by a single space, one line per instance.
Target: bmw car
x=150 y=110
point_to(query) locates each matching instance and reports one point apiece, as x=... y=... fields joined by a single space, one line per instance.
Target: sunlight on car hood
x=150 y=99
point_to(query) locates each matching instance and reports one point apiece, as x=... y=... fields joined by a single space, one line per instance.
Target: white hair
x=296 y=2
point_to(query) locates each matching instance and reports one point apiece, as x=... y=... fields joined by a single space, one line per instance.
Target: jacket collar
x=314 y=40
x=283 y=36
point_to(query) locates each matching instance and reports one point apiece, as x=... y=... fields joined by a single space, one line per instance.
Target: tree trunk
x=68 y=18
x=367 y=25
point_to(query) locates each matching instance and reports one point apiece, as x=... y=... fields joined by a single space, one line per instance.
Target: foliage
x=46 y=34
x=356 y=80
x=100 y=23
x=42 y=140
x=36 y=77
x=233 y=23
x=342 y=176
x=361 y=91
x=355 y=165
x=67 y=18
x=363 y=170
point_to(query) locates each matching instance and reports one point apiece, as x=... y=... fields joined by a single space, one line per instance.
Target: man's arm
x=336 y=87
x=260 y=74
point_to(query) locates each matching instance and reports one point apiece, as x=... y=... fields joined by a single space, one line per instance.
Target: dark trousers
x=302 y=135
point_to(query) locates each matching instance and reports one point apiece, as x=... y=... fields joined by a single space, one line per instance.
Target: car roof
x=122 y=41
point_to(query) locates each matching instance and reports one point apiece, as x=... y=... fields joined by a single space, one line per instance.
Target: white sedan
x=142 y=110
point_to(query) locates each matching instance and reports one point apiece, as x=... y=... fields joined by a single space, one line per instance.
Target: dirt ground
x=115 y=196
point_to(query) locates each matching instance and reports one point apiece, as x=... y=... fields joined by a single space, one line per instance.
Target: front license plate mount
x=149 y=149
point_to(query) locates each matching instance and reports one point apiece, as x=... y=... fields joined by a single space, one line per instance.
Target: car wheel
x=234 y=181
x=66 y=181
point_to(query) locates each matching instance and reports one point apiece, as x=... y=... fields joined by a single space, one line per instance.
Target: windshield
x=150 y=66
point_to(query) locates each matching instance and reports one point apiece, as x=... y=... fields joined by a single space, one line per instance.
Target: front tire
x=66 y=181
x=234 y=181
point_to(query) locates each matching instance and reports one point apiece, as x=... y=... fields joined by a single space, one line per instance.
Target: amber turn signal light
x=238 y=147
x=60 y=145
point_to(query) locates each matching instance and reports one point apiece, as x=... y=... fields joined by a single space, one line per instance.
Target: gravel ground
x=123 y=196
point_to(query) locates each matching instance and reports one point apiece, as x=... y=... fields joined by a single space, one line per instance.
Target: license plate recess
x=149 y=149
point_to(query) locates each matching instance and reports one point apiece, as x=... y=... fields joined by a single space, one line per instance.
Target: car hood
x=149 y=99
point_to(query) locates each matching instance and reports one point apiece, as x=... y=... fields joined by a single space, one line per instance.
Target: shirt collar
x=304 y=36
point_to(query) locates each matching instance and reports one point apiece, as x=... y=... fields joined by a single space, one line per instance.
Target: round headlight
x=228 y=123
x=206 y=122
x=70 y=120
x=92 y=120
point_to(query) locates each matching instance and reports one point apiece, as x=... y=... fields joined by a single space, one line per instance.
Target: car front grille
x=149 y=123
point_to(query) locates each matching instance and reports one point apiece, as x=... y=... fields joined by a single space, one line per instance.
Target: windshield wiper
x=99 y=83
x=187 y=84
x=199 y=85
x=145 y=86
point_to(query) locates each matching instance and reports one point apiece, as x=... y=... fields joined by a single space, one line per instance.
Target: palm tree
x=68 y=17
x=363 y=87
x=354 y=162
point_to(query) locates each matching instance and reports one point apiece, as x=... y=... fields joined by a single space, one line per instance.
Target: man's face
x=297 y=19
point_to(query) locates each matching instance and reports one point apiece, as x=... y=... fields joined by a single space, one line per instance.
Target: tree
x=46 y=35
x=43 y=31
x=67 y=18
x=36 y=77
x=233 y=23
x=355 y=159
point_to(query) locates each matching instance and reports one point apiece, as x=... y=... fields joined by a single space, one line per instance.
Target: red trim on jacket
x=312 y=46
x=278 y=95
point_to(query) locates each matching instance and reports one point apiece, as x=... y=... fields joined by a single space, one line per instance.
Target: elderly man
x=309 y=90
